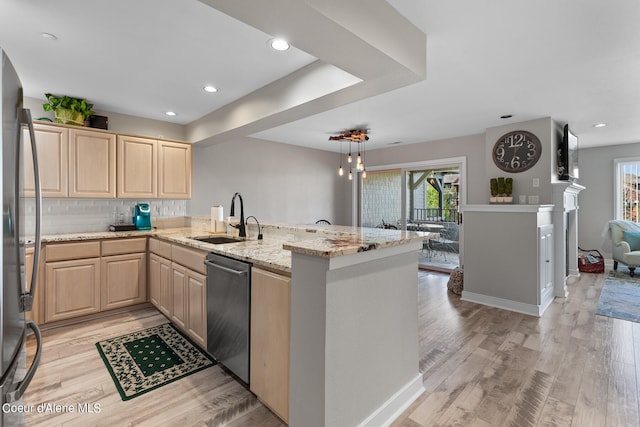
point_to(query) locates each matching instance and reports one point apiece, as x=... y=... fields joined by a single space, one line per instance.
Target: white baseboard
x=518 y=307
x=396 y=405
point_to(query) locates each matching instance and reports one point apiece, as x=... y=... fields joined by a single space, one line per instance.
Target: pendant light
x=358 y=136
x=340 y=170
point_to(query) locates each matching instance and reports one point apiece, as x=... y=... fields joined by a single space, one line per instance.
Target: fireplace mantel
x=565 y=231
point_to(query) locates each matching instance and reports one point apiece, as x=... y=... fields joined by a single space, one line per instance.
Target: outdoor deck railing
x=435 y=214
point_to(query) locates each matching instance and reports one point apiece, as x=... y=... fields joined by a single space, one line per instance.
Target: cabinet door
x=92 y=164
x=124 y=280
x=179 y=306
x=270 y=320
x=72 y=288
x=160 y=287
x=52 y=143
x=137 y=172
x=546 y=264
x=174 y=170
x=197 y=307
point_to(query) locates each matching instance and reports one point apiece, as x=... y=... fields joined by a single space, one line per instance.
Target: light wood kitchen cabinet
x=177 y=286
x=270 y=326
x=174 y=170
x=191 y=291
x=92 y=164
x=179 y=305
x=160 y=288
x=137 y=167
x=52 y=144
x=124 y=273
x=197 y=307
x=190 y=302
x=72 y=280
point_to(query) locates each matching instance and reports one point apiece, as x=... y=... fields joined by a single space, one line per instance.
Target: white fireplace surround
x=565 y=231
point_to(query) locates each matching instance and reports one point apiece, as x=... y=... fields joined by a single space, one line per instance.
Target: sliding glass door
x=418 y=197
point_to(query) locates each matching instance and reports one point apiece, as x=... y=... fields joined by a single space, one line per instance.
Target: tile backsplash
x=65 y=215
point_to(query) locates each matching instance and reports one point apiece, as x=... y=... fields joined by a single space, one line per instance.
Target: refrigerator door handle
x=27 y=298
x=19 y=388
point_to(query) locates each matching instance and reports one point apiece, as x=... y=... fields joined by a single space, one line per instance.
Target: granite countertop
x=274 y=251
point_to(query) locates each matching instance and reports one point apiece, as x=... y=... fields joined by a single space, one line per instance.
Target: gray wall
x=278 y=182
x=121 y=123
x=596 y=201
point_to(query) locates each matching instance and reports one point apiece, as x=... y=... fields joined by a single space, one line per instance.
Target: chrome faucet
x=242 y=229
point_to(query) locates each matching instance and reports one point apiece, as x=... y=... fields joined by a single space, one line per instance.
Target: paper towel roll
x=217 y=216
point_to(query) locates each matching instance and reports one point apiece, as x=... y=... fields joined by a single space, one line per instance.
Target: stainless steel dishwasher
x=228 y=313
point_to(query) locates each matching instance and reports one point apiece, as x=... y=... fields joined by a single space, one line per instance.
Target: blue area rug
x=620 y=297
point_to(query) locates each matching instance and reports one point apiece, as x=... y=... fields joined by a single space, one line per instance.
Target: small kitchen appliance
x=142 y=216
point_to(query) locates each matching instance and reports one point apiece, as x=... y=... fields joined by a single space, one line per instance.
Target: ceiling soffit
x=364 y=48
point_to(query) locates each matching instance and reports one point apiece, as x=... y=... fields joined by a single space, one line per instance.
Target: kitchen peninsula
x=353 y=314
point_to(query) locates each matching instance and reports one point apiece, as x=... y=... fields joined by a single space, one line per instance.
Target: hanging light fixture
x=340 y=170
x=358 y=136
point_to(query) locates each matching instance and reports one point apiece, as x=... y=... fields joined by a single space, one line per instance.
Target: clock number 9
x=500 y=152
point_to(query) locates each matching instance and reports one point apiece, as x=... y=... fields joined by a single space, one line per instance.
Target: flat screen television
x=568 y=156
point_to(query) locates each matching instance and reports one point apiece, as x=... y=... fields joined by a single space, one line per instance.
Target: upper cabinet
x=152 y=168
x=52 y=145
x=92 y=164
x=174 y=170
x=137 y=167
x=79 y=162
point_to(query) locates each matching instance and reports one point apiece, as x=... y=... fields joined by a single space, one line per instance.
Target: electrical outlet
x=536 y=182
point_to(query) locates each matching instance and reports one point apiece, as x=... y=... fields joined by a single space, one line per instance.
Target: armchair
x=625 y=244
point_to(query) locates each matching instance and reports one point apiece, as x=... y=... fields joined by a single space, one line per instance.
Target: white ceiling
x=576 y=61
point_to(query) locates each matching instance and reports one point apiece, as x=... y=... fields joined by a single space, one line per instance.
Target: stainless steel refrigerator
x=14 y=327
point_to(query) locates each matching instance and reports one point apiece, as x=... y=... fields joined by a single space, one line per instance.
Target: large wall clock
x=517 y=151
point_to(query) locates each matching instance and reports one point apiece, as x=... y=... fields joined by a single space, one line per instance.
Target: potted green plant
x=501 y=185
x=508 y=190
x=68 y=110
x=493 y=185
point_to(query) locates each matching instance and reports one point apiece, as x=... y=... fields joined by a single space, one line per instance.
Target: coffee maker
x=142 y=216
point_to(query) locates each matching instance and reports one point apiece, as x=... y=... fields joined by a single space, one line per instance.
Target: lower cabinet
x=124 y=280
x=160 y=290
x=91 y=276
x=270 y=326
x=178 y=286
x=196 y=292
x=72 y=288
x=179 y=306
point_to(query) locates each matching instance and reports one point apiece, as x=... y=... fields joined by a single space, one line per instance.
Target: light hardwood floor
x=482 y=367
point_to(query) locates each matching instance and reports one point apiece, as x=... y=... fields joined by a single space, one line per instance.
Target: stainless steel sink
x=217 y=240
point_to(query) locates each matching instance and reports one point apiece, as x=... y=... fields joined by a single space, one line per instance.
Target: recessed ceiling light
x=599 y=125
x=506 y=116
x=171 y=113
x=210 y=89
x=279 y=44
x=49 y=36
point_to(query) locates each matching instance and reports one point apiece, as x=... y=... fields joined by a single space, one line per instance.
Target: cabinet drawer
x=160 y=247
x=76 y=250
x=124 y=246
x=190 y=258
